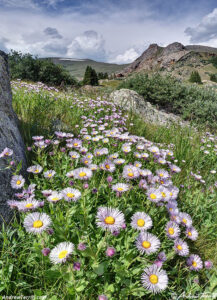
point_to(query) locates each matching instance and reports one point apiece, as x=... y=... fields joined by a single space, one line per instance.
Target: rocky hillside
x=175 y=58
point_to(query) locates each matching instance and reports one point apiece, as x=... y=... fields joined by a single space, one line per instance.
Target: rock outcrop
x=157 y=58
x=9 y=137
x=132 y=101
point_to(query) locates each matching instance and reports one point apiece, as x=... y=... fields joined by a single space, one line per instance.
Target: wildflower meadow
x=111 y=207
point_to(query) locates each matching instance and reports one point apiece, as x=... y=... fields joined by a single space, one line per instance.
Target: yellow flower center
x=153 y=196
x=82 y=174
x=36 y=171
x=161 y=174
x=194 y=264
x=171 y=231
x=153 y=279
x=18 y=182
x=49 y=175
x=38 y=224
x=98 y=153
x=70 y=195
x=28 y=205
x=189 y=233
x=184 y=221
x=179 y=247
x=107 y=166
x=146 y=244
x=171 y=193
x=120 y=189
x=7 y=153
x=86 y=161
x=140 y=222
x=75 y=144
x=55 y=199
x=170 y=209
x=130 y=174
x=163 y=194
x=63 y=254
x=109 y=220
x=73 y=156
x=137 y=165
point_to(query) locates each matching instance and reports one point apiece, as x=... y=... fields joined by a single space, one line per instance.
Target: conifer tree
x=90 y=77
x=195 y=77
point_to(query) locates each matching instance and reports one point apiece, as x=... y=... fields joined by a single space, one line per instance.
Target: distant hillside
x=177 y=59
x=77 y=67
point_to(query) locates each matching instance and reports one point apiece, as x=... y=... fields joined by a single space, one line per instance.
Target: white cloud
x=206 y=30
x=127 y=57
x=3 y=42
x=126 y=32
x=90 y=44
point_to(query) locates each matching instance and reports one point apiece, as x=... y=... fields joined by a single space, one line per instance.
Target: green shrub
x=213 y=77
x=191 y=102
x=213 y=61
x=27 y=67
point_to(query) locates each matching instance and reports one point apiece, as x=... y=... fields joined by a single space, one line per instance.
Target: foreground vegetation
x=107 y=262
x=193 y=103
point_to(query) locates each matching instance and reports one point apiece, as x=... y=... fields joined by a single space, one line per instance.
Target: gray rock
x=9 y=137
x=132 y=101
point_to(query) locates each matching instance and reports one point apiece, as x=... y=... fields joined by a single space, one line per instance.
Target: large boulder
x=9 y=137
x=132 y=101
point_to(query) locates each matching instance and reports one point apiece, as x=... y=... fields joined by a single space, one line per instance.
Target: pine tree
x=90 y=77
x=195 y=77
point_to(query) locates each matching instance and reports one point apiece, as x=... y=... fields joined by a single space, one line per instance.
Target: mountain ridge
x=174 y=57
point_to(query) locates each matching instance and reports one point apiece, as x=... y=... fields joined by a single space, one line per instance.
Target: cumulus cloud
x=53 y=33
x=206 y=30
x=127 y=57
x=90 y=44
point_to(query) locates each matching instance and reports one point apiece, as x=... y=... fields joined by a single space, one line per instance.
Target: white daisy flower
x=181 y=247
x=141 y=221
x=172 y=230
x=70 y=194
x=82 y=173
x=49 y=173
x=120 y=187
x=109 y=218
x=191 y=233
x=17 y=181
x=34 y=169
x=28 y=205
x=54 y=197
x=37 y=222
x=147 y=242
x=119 y=161
x=154 y=279
x=74 y=154
x=61 y=252
x=194 y=262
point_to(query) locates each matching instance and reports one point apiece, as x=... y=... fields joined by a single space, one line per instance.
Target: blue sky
x=104 y=30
